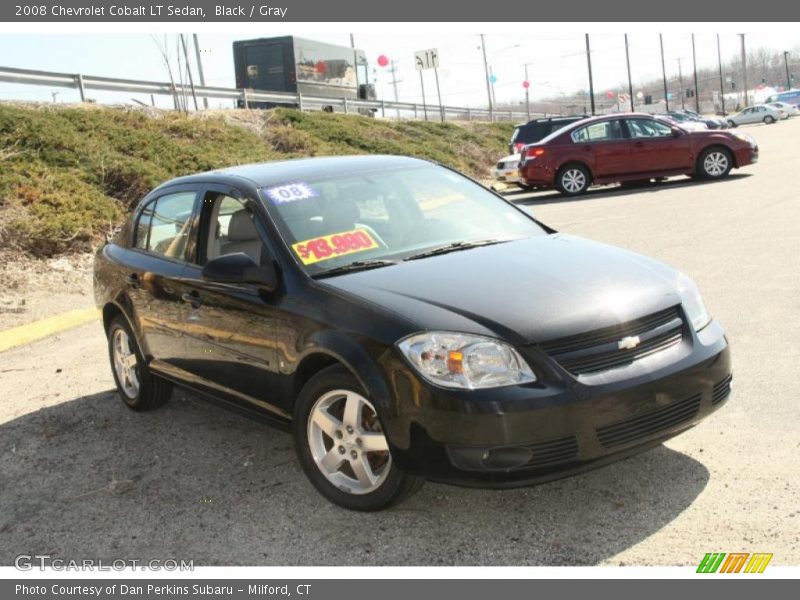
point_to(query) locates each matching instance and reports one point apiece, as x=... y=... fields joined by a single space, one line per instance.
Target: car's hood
x=528 y=290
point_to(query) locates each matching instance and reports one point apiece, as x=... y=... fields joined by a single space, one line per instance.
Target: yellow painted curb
x=25 y=334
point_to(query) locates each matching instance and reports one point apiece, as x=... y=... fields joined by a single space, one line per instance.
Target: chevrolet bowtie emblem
x=629 y=343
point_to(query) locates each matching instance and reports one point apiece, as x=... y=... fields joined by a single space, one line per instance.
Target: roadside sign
x=426 y=59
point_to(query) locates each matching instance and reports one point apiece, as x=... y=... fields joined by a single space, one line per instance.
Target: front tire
x=731 y=124
x=714 y=163
x=769 y=120
x=573 y=180
x=137 y=386
x=339 y=441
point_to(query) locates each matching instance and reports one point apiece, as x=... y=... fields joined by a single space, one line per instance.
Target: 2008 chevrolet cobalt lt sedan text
x=405 y=324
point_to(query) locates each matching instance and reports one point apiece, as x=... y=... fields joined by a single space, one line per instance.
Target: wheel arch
x=575 y=161
x=328 y=348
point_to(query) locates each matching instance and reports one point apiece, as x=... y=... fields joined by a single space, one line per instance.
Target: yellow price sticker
x=334 y=245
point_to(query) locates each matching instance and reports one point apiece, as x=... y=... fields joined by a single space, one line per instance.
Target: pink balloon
x=383 y=60
x=526 y=84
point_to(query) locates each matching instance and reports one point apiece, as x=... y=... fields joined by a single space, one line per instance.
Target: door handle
x=638 y=144
x=133 y=280
x=192 y=298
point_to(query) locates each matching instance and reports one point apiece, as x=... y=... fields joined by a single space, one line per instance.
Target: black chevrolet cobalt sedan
x=404 y=323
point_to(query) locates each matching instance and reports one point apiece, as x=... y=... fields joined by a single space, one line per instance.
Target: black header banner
x=406 y=11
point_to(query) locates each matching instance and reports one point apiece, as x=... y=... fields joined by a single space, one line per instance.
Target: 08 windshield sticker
x=290 y=192
x=326 y=247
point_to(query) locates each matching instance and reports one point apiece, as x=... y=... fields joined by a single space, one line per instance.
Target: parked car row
x=629 y=147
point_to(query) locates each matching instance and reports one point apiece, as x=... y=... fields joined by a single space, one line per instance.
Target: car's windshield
x=388 y=215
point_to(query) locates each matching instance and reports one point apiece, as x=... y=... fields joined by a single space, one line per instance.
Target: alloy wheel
x=126 y=365
x=573 y=180
x=347 y=442
x=715 y=164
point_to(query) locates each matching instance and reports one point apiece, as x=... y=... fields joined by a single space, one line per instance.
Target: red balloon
x=526 y=84
x=383 y=60
x=610 y=94
x=321 y=66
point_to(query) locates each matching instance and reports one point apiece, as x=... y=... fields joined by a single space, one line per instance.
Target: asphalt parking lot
x=81 y=476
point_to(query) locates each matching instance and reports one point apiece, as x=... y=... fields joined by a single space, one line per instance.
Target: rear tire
x=138 y=387
x=714 y=163
x=339 y=441
x=573 y=179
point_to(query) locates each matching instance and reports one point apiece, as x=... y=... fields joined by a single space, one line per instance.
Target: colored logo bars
x=719 y=562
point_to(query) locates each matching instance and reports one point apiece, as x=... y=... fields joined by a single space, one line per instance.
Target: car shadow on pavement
x=555 y=197
x=88 y=478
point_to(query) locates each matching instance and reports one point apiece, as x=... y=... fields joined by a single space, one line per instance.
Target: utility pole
x=491 y=76
x=200 y=67
x=696 y=91
x=488 y=83
x=744 y=71
x=630 y=81
x=721 y=85
x=527 y=93
x=664 y=71
x=189 y=70
x=680 y=80
x=786 y=64
x=591 y=80
x=394 y=86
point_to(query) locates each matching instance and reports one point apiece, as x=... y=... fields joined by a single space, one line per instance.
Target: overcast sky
x=557 y=61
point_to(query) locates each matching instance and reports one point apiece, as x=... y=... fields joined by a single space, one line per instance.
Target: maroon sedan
x=631 y=147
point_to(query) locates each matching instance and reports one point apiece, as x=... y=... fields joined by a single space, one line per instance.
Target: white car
x=759 y=113
x=507 y=171
x=790 y=110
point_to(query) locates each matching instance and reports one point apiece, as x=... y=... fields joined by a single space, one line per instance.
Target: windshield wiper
x=453 y=247
x=358 y=265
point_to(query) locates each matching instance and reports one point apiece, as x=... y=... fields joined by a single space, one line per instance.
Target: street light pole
x=786 y=64
x=589 y=64
x=630 y=81
x=721 y=86
x=696 y=91
x=664 y=71
x=527 y=93
x=488 y=84
x=680 y=80
x=744 y=71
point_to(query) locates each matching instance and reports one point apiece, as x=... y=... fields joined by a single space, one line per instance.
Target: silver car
x=759 y=113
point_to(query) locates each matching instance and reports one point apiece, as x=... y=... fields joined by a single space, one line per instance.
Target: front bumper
x=747 y=156
x=561 y=425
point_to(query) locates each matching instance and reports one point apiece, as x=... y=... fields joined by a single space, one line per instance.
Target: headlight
x=458 y=360
x=692 y=302
x=745 y=137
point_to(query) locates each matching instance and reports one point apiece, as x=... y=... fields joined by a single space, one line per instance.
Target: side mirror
x=240 y=268
x=677 y=132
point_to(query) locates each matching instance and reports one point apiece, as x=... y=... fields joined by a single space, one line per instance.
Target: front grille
x=501 y=165
x=553 y=451
x=650 y=423
x=721 y=390
x=599 y=350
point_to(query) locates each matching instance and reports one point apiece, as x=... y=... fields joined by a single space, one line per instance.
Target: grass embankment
x=70 y=174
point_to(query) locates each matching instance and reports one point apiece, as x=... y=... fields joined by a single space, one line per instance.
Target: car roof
x=299 y=169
